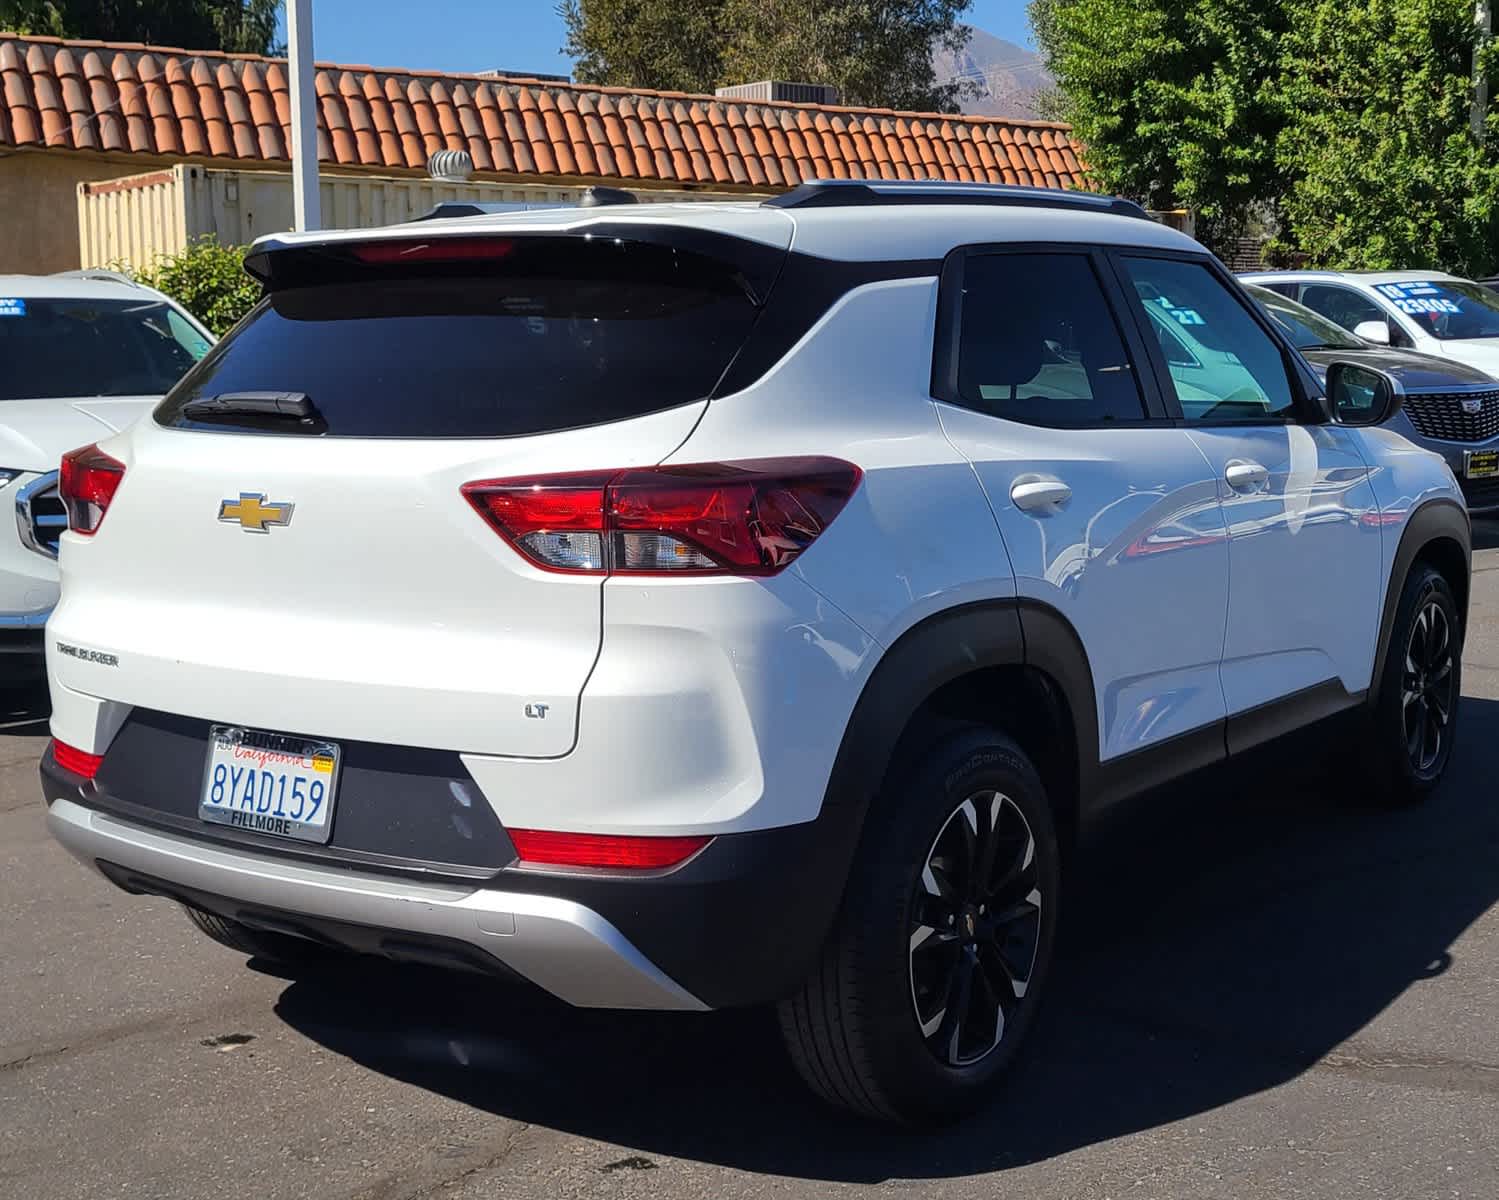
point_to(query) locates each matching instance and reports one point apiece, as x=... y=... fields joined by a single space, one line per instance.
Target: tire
x=259 y=943
x=1415 y=714
x=869 y=1030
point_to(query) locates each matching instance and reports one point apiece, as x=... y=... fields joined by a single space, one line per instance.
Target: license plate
x=269 y=783
x=1480 y=464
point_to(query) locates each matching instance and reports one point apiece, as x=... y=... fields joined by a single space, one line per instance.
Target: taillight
x=79 y=762
x=736 y=518
x=87 y=482
x=543 y=847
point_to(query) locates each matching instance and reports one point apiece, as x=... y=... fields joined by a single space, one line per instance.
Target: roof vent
x=450 y=166
x=774 y=89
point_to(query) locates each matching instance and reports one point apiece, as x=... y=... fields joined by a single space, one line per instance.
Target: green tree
x=1375 y=96
x=238 y=26
x=876 y=52
x=674 y=45
x=1174 y=100
x=208 y=280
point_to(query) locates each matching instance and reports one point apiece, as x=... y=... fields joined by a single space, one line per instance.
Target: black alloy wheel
x=1428 y=686
x=975 y=928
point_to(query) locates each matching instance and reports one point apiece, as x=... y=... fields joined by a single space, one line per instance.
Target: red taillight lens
x=555 y=520
x=740 y=518
x=544 y=847
x=70 y=758
x=87 y=482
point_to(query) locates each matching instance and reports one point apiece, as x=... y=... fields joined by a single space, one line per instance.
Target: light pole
x=1483 y=18
x=306 y=201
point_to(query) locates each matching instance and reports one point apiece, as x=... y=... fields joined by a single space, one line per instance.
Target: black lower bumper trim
x=394 y=944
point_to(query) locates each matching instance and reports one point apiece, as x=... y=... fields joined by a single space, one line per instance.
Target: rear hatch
x=290 y=548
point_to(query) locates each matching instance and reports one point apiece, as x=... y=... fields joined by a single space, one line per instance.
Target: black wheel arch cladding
x=1439 y=533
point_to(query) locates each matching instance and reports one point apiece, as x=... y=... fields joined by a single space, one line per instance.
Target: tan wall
x=39 y=207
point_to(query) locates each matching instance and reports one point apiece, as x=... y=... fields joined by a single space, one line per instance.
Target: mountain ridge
x=1011 y=76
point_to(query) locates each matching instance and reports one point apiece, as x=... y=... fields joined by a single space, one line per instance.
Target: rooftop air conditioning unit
x=775 y=89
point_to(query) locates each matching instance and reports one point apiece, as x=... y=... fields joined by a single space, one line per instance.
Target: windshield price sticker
x=1412 y=299
x=1418 y=308
x=12 y=306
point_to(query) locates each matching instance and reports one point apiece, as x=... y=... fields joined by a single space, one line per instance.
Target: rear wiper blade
x=292 y=406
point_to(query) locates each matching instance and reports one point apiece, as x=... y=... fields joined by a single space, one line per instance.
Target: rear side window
x=536 y=336
x=1038 y=343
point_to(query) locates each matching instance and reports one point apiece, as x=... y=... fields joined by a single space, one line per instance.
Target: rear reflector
x=69 y=758
x=87 y=482
x=603 y=850
x=734 y=518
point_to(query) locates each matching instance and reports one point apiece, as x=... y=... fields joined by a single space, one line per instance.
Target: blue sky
x=510 y=35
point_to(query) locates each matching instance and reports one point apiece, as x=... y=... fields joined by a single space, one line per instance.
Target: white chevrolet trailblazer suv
x=82 y=355
x=724 y=604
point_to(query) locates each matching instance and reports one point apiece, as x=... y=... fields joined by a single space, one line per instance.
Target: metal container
x=135 y=219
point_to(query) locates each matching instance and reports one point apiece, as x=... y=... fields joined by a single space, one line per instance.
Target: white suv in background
x=1428 y=311
x=81 y=356
x=684 y=606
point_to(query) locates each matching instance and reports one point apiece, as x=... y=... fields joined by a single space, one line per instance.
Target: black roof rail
x=444 y=209
x=853 y=193
x=597 y=196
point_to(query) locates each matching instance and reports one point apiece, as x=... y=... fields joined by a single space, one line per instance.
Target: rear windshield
x=68 y=348
x=539 y=341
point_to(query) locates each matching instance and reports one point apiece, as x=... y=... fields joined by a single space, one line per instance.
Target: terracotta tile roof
x=126 y=97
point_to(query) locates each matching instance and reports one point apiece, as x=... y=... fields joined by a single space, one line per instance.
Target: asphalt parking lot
x=1266 y=989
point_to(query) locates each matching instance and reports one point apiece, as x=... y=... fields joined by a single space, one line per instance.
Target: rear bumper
x=564 y=947
x=740 y=923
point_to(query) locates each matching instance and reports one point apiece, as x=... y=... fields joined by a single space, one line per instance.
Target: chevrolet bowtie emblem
x=253 y=513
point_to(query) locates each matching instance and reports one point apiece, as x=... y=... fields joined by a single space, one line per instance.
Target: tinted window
x=1039 y=343
x=1235 y=371
x=1343 y=306
x=560 y=335
x=55 y=348
x=1446 y=308
x=1306 y=328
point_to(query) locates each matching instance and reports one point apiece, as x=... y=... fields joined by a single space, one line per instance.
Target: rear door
x=323 y=574
x=1109 y=513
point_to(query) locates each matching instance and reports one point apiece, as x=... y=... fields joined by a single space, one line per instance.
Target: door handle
x=1244 y=476
x=1033 y=494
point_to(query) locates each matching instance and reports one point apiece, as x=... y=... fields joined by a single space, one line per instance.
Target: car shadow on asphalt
x=23 y=709
x=1221 y=941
